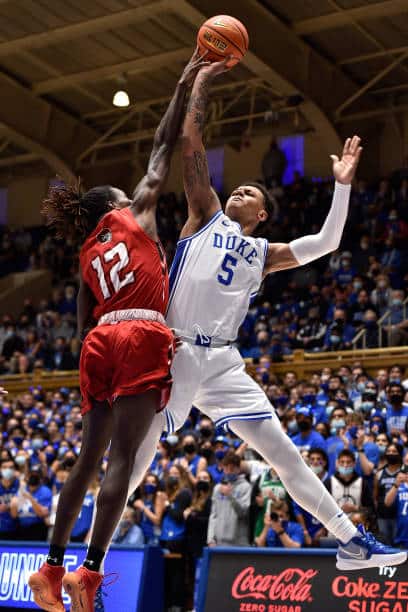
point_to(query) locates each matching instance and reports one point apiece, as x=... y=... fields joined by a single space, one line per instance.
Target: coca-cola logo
x=291 y=585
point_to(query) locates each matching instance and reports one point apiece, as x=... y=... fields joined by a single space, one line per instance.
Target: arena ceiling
x=313 y=65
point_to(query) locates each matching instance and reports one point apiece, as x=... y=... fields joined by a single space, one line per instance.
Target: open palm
x=345 y=168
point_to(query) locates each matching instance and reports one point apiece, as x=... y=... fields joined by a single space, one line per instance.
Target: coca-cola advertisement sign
x=242 y=580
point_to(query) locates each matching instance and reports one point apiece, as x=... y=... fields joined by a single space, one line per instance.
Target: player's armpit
x=279 y=257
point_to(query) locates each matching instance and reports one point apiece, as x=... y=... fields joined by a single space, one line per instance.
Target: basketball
x=222 y=36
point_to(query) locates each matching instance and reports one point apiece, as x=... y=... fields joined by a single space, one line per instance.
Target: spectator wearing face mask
x=367 y=402
x=197 y=516
x=9 y=486
x=350 y=490
x=220 y=450
x=128 y=533
x=345 y=274
x=307 y=437
x=151 y=504
x=192 y=462
x=397 y=410
x=231 y=498
x=313 y=530
x=398 y=495
x=163 y=459
x=360 y=307
x=31 y=506
x=279 y=531
x=374 y=335
x=383 y=482
x=173 y=533
x=339 y=334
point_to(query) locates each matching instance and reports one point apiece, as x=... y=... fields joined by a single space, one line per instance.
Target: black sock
x=94 y=558
x=55 y=555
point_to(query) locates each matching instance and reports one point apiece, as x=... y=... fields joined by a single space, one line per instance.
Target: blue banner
x=129 y=593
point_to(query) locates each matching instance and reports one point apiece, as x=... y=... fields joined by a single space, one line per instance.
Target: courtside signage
x=262 y=581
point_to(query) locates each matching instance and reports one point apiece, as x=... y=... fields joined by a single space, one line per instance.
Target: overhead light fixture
x=121 y=99
x=121 y=96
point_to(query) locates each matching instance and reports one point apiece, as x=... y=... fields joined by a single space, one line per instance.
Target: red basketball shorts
x=126 y=358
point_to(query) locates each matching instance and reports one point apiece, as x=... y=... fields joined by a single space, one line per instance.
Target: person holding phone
x=398 y=494
x=279 y=531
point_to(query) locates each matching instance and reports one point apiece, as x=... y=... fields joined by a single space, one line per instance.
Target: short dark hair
x=231 y=458
x=319 y=451
x=347 y=453
x=268 y=201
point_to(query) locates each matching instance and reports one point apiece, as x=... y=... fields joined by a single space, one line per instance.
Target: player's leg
x=46 y=583
x=132 y=418
x=359 y=550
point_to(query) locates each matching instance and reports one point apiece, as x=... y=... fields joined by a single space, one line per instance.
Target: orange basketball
x=221 y=36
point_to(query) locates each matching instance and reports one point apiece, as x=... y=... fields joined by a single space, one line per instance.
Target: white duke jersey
x=215 y=275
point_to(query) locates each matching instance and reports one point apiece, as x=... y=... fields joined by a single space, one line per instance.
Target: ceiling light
x=121 y=98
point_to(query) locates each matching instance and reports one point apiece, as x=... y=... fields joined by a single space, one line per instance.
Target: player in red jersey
x=126 y=357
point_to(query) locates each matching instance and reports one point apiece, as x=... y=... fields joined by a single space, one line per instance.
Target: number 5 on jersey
x=120 y=251
x=228 y=265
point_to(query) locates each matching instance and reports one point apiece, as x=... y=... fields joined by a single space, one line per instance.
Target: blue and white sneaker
x=365 y=551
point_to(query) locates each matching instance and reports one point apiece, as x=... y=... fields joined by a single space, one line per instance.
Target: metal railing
x=382 y=323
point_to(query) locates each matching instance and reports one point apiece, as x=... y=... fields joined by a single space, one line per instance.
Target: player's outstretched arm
x=149 y=188
x=202 y=200
x=308 y=248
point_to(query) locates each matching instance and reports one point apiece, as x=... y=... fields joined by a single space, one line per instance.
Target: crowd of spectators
x=206 y=487
x=321 y=307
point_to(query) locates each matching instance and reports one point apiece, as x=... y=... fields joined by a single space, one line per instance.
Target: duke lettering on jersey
x=215 y=275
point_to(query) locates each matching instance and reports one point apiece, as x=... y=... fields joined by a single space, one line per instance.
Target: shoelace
x=371 y=542
x=104 y=585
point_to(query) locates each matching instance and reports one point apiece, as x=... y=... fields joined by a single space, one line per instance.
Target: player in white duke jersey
x=217 y=270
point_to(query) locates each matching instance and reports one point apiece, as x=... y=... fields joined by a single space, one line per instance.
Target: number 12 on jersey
x=227 y=266
x=119 y=250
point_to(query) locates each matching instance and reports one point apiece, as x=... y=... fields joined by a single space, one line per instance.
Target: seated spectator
x=278 y=530
x=374 y=336
x=339 y=334
x=350 y=490
x=398 y=494
x=310 y=336
x=128 y=533
x=151 y=504
x=31 y=506
x=381 y=295
x=397 y=324
x=307 y=437
x=345 y=274
x=358 y=310
x=9 y=486
x=228 y=524
x=383 y=482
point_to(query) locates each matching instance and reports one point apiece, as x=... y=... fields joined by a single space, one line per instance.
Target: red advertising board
x=265 y=581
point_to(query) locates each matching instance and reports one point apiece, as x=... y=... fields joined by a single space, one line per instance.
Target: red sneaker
x=46 y=586
x=81 y=586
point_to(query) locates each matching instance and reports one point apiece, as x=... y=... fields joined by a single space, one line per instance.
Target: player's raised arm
x=308 y=248
x=148 y=190
x=202 y=200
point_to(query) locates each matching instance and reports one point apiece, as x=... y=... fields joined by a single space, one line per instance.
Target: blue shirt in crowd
x=312 y=524
x=402 y=515
x=294 y=531
x=311 y=440
x=84 y=520
x=396 y=419
x=26 y=514
x=7 y=523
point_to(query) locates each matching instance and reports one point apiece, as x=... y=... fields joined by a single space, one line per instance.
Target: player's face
x=120 y=199
x=246 y=205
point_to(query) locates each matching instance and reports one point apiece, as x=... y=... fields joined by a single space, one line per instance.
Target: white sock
x=341 y=526
x=269 y=439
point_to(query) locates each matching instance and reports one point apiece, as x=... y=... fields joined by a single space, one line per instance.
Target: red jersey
x=123 y=266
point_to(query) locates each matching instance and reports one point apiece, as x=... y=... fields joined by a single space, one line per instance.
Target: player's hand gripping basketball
x=196 y=62
x=213 y=69
x=345 y=168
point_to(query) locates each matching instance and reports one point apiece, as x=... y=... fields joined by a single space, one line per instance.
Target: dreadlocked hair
x=68 y=208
